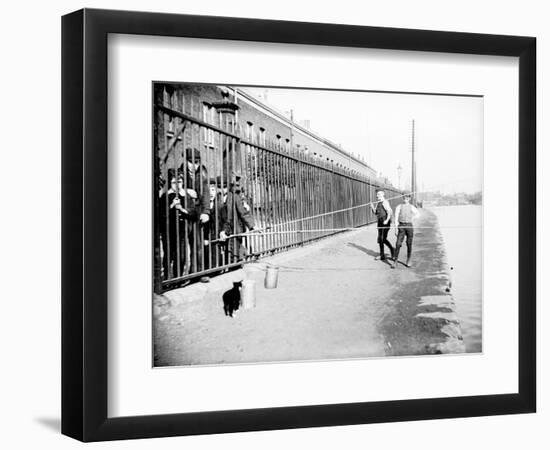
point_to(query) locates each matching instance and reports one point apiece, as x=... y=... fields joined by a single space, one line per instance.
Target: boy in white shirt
x=405 y=213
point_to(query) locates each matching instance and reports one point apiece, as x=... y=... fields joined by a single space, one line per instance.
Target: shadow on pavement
x=363 y=249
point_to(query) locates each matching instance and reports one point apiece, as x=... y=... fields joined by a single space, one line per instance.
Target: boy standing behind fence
x=236 y=218
x=184 y=205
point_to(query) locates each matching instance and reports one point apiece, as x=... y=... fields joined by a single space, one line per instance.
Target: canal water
x=464 y=253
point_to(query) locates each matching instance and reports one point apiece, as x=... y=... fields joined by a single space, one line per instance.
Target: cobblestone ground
x=333 y=301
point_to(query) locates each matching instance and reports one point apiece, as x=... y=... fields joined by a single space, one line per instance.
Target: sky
x=378 y=126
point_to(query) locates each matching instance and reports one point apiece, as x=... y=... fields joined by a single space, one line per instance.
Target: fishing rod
x=261 y=233
x=285 y=268
x=350 y=208
x=333 y=212
x=264 y=231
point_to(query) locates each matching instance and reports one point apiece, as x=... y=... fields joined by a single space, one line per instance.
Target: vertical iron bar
x=203 y=182
x=168 y=182
x=177 y=213
x=216 y=204
x=225 y=189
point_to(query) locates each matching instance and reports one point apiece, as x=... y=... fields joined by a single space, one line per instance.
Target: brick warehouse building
x=261 y=124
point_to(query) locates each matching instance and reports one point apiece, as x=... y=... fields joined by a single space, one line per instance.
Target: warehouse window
x=249 y=131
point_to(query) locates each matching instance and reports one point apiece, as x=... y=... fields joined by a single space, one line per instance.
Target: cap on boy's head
x=192 y=154
x=174 y=175
x=236 y=178
x=236 y=181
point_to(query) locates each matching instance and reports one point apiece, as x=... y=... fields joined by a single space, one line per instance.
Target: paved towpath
x=333 y=300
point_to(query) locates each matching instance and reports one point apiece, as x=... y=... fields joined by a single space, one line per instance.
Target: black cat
x=232 y=299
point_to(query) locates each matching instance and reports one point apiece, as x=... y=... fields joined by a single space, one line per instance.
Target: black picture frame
x=84 y=224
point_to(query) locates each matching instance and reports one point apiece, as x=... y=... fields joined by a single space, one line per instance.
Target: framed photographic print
x=273 y=224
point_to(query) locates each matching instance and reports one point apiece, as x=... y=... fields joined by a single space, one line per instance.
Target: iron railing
x=290 y=197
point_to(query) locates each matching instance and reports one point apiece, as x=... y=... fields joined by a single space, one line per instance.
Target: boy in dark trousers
x=405 y=213
x=383 y=213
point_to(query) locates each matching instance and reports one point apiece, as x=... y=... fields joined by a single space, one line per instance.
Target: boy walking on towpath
x=405 y=213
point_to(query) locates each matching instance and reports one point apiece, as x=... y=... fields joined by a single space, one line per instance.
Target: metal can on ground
x=271 y=277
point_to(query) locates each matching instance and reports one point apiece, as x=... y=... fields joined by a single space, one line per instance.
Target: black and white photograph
x=275 y=225
x=300 y=224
